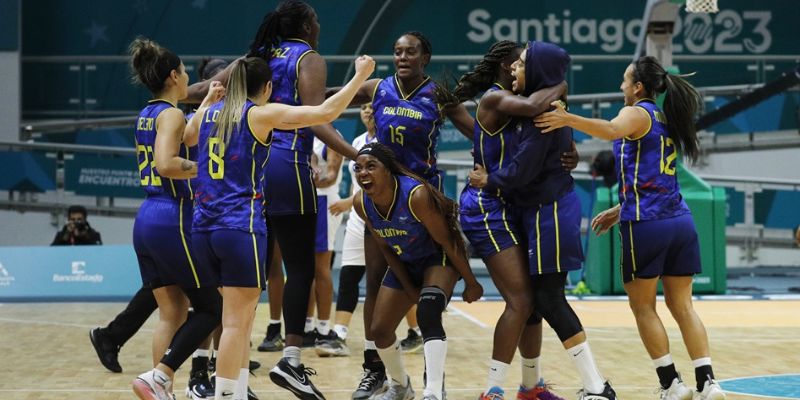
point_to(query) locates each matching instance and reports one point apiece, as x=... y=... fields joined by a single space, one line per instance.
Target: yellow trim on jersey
x=258 y=264
x=486 y=219
x=410 y=194
x=189 y=181
x=538 y=242
x=294 y=139
x=297 y=71
x=444 y=258
x=185 y=246
x=430 y=147
x=313 y=193
x=253 y=182
x=298 y=40
x=558 y=243
x=502 y=150
x=483 y=128
x=391 y=206
x=374 y=90
x=413 y=92
x=250 y=128
x=649 y=123
x=505 y=222
x=636 y=178
x=364 y=210
x=633 y=254
x=480 y=145
x=165 y=101
x=622 y=170
x=299 y=185
x=172 y=185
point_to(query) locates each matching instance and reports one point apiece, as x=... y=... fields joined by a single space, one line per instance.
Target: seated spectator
x=77 y=230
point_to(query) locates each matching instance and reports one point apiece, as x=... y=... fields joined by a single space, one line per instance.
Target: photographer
x=77 y=230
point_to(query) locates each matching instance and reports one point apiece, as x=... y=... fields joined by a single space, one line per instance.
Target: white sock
x=370 y=345
x=241 y=384
x=292 y=355
x=701 y=362
x=497 y=374
x=417 y=330
x=200 y=353
x=582 y=356
x=323 y=326
x=341 y=331
x=435 y=354
x=663 y=361
x=394 y=364
x=224 y=388
x=531 y=372
x=274 y=321
x=309 y=324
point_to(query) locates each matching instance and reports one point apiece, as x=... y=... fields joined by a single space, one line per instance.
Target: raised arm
x=199 y=89
x=461 y=119
x=311 y=80
x=364 y=94
x=169 y=134
x=632 y=121
x=192 y=131
x=521 y=106
x=436 y=225
x=282 y=116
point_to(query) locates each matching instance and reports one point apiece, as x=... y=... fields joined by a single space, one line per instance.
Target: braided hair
x=438 y=201
x=284 y=21
x=485 y=73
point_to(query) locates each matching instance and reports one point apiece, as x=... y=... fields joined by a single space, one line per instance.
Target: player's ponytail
x=484 y=74
x=248 y=77
x=151 y=64
x=680 y=105
x=284 y=22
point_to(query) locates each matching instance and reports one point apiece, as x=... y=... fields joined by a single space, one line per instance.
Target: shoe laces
x=368 y=379
x=307 y=370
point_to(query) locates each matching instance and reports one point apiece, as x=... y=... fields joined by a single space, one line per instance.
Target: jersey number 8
x=216 y=164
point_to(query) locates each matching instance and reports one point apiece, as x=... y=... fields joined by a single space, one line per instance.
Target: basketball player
x=417 y=231
x=161 y=229
x=489 y=223
x=659 y=239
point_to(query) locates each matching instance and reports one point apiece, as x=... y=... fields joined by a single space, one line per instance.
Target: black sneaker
x=372 y=383
x=254 y=365
x=200 y=387
x=212 y=365
x=331 y=345
x=295 y=380
x=607 y=394
x=271 y=343
x=310 y=338
x=251 y=395
x=107 y=351
x=412 y=343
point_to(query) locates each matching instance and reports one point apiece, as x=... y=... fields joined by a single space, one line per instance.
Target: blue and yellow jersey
x=401 y=228
x=648 y=186
x=285 y=65
x=493 y=150
x=228 y=185
x=408 y=123
x=152 y=183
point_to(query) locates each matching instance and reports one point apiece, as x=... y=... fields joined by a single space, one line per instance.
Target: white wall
x=10 y=96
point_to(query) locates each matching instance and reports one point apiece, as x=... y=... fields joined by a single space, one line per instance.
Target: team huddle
x=233 y=186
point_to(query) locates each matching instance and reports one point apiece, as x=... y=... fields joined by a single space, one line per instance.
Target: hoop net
x=701 y=6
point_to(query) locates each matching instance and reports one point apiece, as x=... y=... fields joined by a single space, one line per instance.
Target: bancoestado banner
x=68 y=273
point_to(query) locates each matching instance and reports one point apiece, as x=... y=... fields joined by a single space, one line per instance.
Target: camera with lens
x=80 y=226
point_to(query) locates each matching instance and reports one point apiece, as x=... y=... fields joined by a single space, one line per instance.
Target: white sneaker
x=676 y=391
x=711 y=391
x=399 y=392
x=149 y=386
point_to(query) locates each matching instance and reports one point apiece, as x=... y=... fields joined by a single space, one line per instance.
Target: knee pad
x=432 y=302
x=349 y=277
x=553 y=307
x=206 y=301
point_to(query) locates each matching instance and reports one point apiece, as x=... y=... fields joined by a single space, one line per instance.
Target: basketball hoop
x=701 y=6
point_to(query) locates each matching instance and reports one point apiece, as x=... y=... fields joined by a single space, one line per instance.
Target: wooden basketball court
x=46 y=352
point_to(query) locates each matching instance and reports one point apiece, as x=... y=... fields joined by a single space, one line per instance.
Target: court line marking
x=467 y=316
